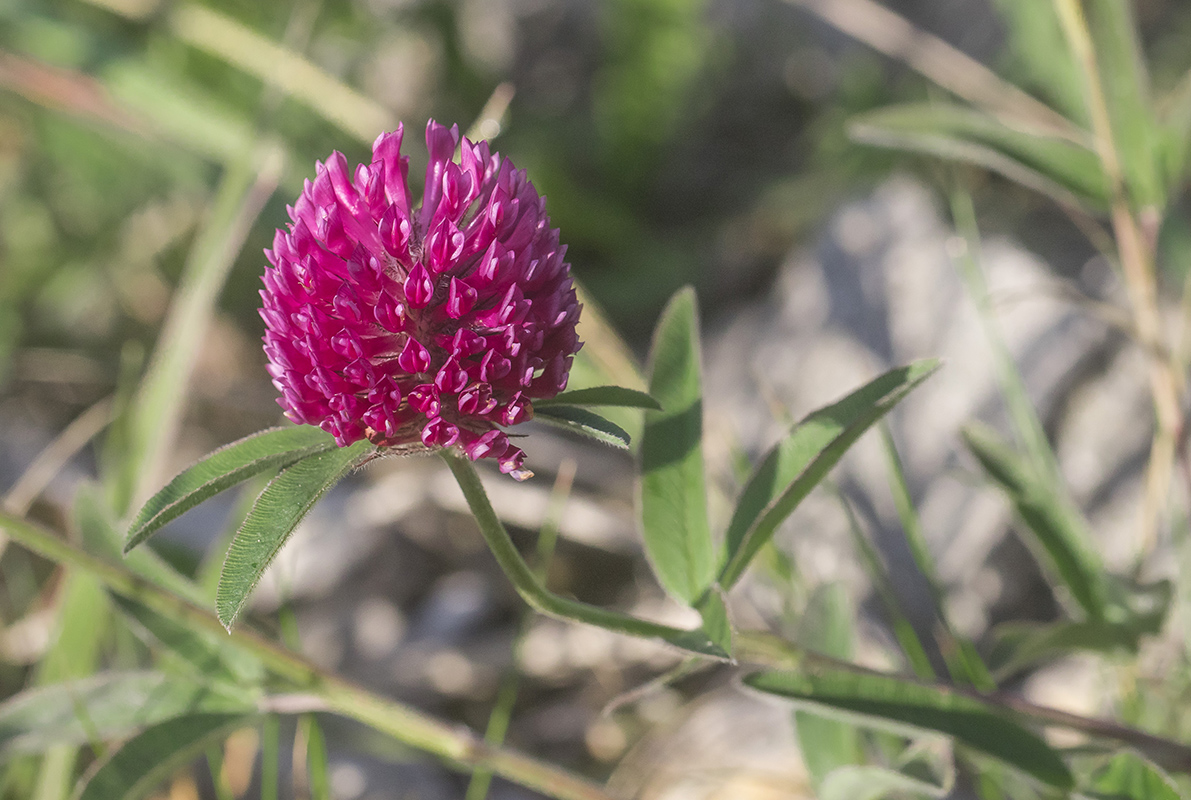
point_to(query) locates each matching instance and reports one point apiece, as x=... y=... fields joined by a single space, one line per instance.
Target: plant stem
x=536 y=595
x=405 y=724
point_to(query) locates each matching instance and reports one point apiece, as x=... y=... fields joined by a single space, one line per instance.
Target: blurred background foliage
x=677 y=141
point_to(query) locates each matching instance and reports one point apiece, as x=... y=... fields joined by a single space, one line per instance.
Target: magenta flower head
x=436 y=325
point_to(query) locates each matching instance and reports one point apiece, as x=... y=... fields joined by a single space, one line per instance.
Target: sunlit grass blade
x=278 y=510
x=617 y=396
x=153 y=755
x=1068 y=172
x=887 y=701
x=1057 y=527
x=276 y=448
x=583 y=422
x=673 y=492
x=803 y=458
x=109 y=705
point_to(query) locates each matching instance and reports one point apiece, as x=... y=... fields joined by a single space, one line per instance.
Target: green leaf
x=108 y=705
x=278 y=510
x=1175 y=134
x=584 y=422
x=152 y=756
x=1126 y=88
x=827 y=744
x=1020 y=645
x=803 y=458
x=1070 y=173
x=1058 y=528
x=874 y=783
x=673 y=493
x=275 y=448
x=1039 y=57
x=1129 y=776
x=892 y=702
x=716 y=622
x=316 y=758
x=617 y=396
x=212 y=657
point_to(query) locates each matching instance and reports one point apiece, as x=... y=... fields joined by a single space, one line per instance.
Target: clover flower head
x=429 y=326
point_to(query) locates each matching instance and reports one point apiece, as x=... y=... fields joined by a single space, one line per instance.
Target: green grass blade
x=316 y=759
x=960 y=653
x=875 y=783
x=1068 y=172
x=278 y=510
x=1057 y=527
x=616 y=396
x=275 y=448
x=803 y=458
x=1039 y=57
x=903 y=630
x=152 y=756
x=583 y=422
x=673 y=493
x=888 y=701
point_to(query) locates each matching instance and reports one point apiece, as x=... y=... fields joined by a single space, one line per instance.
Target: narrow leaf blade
x=797 y=463
x=1128 y=776
x=615 y=396
x=673 y=496
x=902 y=704
x=275 y=448
x=1057 y=527
x=584 y=422
x=278 y=510
x=155 y=754
x=1064 y=170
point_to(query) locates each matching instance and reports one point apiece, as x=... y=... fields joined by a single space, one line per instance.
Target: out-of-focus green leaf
x=109 y=705
x=893 y=702
x=1039 y=56
x=213 y=658
x=1129 y=776
x=799 y=461
x=617 y=396
x=1057 y=527
x=1175 y=135
x=673 y=492
x=278 y=510
x=1020 y=645
x=875 y=783
x=99 y=534
x=1126 y=88
x=827 y=744
x=153 y=755
x=276 y=448
x=716 y=622
x=584 y=422
x=1064 y=170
